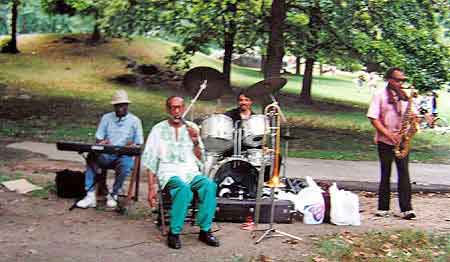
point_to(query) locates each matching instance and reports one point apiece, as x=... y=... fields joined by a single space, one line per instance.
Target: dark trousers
x=387 y=156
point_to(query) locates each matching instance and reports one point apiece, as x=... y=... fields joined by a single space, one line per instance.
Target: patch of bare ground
x=33 y=229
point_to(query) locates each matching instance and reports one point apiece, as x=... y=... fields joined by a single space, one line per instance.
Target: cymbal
x=286 y=137
x=195 y=77
x=266 y=87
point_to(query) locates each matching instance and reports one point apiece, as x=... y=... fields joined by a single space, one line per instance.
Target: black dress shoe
x=207 y=238
x=173 y=241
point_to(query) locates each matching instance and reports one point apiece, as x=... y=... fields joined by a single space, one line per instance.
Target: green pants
x=181 y=194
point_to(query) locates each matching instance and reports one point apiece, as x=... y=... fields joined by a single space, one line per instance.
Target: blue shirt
x=120 y=131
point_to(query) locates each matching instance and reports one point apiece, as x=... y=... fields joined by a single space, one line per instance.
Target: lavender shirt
x=381 y=109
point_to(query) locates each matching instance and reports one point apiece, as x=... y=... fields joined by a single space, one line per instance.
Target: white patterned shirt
x=166 y=156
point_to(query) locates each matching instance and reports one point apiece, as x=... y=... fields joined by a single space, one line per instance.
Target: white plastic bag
x=310 y=202
x=344 y=207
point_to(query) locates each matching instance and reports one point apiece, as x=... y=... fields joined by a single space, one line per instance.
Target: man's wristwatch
x=196 y=143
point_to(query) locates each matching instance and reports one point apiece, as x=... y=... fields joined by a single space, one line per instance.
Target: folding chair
x=164 y=205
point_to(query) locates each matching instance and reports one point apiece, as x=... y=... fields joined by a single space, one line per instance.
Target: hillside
x=55 y=90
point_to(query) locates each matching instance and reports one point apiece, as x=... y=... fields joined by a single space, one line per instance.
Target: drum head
x=217 y=133
x=237 y=175
x=254 y=129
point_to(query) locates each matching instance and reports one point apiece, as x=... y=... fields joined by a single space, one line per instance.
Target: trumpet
x=272 y=147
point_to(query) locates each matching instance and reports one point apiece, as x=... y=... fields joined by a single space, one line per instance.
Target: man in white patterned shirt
x=173 y=153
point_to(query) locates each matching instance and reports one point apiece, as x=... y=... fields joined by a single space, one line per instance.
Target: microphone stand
x=199 y=92
x=271 y=231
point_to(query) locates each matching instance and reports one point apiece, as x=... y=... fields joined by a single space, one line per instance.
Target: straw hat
x=120 y=97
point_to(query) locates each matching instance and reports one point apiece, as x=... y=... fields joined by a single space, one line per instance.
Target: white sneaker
x=111 y=200
x=382 y=213
x=88 y=201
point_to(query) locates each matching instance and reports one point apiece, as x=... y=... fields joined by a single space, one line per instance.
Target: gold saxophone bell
x=408 y=129
x=273 y=113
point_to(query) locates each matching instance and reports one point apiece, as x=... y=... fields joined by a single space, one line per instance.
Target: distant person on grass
x=386 y=112
x=360 y=81
x=118 y=128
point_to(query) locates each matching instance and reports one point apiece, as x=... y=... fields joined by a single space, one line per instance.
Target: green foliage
x=405 y=34
x=380 y=33
x=89 y=8
x=196 y=23
x=32 y=19
x=8 y=177
x=71 y=7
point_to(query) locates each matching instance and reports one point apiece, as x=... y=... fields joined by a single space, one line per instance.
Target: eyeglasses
x=400 y=80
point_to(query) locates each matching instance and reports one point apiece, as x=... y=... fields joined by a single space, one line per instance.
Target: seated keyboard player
x=118 y=128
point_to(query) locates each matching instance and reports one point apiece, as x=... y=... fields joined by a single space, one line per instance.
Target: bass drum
x=235 y=177
x=217 y=133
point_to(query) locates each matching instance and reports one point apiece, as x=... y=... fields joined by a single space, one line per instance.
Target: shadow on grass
x=42 y=116
x=331 y=144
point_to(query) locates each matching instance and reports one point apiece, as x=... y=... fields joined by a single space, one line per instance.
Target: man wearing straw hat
x=118 y=128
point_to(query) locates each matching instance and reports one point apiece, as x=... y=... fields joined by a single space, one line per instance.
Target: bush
x=4 y=41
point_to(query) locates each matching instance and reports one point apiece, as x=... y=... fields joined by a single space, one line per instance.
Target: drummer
x=243 y=111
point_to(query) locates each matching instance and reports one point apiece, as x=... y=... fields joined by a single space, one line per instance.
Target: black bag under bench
x=70 y=184
x=231 y=210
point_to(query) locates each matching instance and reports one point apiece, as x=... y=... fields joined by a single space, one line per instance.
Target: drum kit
x=255 y=143
x=234 y=152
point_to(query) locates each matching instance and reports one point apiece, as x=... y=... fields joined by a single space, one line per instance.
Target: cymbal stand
x=237 y=140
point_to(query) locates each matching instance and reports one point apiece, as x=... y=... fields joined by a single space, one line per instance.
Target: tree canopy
x=230 y=24
x=411 y=34
x=81 y=7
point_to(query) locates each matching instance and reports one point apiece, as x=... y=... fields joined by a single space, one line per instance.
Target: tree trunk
x=11 y=46
x=96 y=35
x=305 y=95
x=321 y=69
x=229 y=47
x=275 y=48
x=263 y=63
x=298 y=64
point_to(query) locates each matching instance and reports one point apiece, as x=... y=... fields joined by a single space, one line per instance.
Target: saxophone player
x=387 y=113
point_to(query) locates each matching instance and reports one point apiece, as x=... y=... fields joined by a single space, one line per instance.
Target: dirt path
x=34 y=229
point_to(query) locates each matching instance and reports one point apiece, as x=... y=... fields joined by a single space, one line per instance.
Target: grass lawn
x=405 y=245
x=57 y=91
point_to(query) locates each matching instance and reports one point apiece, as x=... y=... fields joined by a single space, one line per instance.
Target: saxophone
x=408 y=129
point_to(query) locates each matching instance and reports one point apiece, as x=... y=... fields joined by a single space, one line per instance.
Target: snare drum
x=254 y=129
x=217 y=133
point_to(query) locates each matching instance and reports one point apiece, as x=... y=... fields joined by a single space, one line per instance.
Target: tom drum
x=217 y=132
